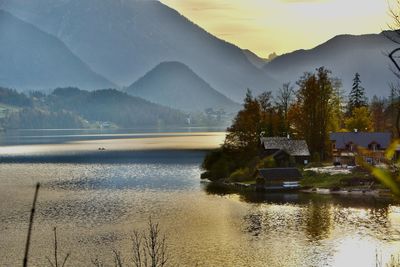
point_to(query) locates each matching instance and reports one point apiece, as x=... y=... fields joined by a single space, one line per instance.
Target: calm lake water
x=97 y=198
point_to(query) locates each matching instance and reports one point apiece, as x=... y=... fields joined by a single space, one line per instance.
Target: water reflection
x=57 y=136
x=318 y=221
x=96 y=199
x=353 y=201
x=318 y=216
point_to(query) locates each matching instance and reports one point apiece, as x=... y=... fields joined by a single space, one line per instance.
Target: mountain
x=123 y=39
x=33 y=59
x=113 y=106
x=254 y=59
x=174 y=84
x=344 y=55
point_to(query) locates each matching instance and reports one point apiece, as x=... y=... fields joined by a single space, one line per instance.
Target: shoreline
x=359 y=192
x=349 y=191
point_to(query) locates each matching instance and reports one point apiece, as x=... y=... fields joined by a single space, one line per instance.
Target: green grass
x=249 y=182
x=323 y=180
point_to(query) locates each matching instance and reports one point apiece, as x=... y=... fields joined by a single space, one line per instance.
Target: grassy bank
x=331 y=181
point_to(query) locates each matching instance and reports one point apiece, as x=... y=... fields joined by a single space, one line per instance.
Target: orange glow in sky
x=281 y=26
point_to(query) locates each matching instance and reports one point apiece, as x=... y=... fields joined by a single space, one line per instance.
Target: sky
x=282 y=26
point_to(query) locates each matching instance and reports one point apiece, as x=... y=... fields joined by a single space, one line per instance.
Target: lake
x=96 y=198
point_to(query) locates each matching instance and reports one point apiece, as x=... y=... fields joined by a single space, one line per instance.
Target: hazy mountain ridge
x=123 y=40
x=33 y=59
x=114 y=106
x=254 y=59
x=344 y=55
x=80 y=108
x=174 y=84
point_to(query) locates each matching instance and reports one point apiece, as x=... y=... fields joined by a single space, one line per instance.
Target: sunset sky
x=266 y=26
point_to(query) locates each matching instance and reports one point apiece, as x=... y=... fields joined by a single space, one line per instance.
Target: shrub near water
x=240 y=175
x=267 y=162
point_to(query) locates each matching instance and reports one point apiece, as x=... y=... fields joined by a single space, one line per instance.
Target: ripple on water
x=96 y=206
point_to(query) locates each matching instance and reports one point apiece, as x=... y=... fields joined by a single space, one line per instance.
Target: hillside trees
x=75 y=108
x=14 y=98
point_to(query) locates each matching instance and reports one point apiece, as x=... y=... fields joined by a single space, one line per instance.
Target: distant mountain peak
x=174 y=84
x=254 y=59
x=344 y=55
x=122 y=40
x=33 y=59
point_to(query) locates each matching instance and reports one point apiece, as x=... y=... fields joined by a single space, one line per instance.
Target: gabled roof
x=362 y=139
x=292 y=174
x=292 y=147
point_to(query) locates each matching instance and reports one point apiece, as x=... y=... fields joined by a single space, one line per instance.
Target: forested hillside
x=75 y=108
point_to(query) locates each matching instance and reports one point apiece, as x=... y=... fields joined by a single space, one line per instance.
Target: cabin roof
x=292 y=174
x=362 y=139
x=292 y=147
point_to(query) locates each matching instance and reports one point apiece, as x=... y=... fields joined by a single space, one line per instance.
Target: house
x=282 y=148
x=280 y=178
x=370 y=146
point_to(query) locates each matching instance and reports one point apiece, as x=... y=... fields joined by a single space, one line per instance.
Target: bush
x=211 y=158
x=268 y=162
x=240 y=175
x=205 y=175
x=219 y=170
x=260 y=181
x=316 y=157
x=309 y=173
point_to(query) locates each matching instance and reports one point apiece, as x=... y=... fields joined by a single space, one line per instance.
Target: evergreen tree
x=357 y=96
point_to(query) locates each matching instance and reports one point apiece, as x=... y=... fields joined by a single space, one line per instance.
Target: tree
x=394 y=36
x=395 y=106
x=149 y=249
x=285 y=98
x=314 y=110
x=241 y=143
x=245 y=131
x=357 y=96
x=338 y=108
x=360 y=120
x=265 y=101
x=378 y=116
